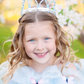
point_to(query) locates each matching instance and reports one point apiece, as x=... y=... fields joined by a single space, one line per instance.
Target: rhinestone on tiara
x=38 y=6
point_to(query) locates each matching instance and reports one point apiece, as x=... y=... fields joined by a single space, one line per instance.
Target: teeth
x=41 y=54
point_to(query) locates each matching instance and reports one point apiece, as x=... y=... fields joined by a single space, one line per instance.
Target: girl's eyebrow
x=47 y=36
x=34 y=37
x=30 y=37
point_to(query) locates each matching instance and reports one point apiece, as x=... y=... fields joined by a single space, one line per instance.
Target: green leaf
x=70 y=7
x=71 y=22
x=67 y=20
x=74 y=5
x=52 y=8
x=61 y=12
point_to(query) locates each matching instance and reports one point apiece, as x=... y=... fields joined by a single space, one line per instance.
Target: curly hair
x=17 y=52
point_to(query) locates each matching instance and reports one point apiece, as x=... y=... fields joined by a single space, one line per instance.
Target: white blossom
x=2 y=19
x=70 y=2
x=73 y=31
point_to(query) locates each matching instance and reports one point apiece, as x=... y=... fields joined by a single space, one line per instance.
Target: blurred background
x=10 y=12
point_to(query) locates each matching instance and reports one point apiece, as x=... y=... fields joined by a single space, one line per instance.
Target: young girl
x=40 y=53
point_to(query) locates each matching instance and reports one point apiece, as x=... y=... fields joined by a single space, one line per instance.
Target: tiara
x=38 y=6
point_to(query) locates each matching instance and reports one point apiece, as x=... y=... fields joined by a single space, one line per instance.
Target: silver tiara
x=38 y=6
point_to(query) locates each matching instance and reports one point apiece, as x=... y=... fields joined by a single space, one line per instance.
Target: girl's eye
x=46 y=38
x=31 y=40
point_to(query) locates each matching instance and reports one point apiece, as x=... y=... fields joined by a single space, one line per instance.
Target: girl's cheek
x=30 y=47
x=51 y=44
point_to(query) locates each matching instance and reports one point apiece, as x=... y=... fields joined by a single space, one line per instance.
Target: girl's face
x=39 y=41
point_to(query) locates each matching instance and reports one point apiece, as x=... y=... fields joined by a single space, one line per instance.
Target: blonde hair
x=17 y=52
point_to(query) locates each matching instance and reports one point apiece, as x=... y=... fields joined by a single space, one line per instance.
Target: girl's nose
x=40 y=45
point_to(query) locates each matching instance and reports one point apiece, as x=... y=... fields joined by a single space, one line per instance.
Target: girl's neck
x=40 y=67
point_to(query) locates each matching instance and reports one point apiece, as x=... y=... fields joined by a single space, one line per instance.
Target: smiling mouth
x=40 y=55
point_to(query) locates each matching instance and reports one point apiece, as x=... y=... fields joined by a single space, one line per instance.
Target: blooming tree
x=70 y=20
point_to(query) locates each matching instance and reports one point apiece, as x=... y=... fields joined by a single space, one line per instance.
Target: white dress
x=50 y=75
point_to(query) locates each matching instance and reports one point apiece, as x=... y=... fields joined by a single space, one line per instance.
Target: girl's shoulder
x=3 y=70
x=74 y=72
x=70 y=65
